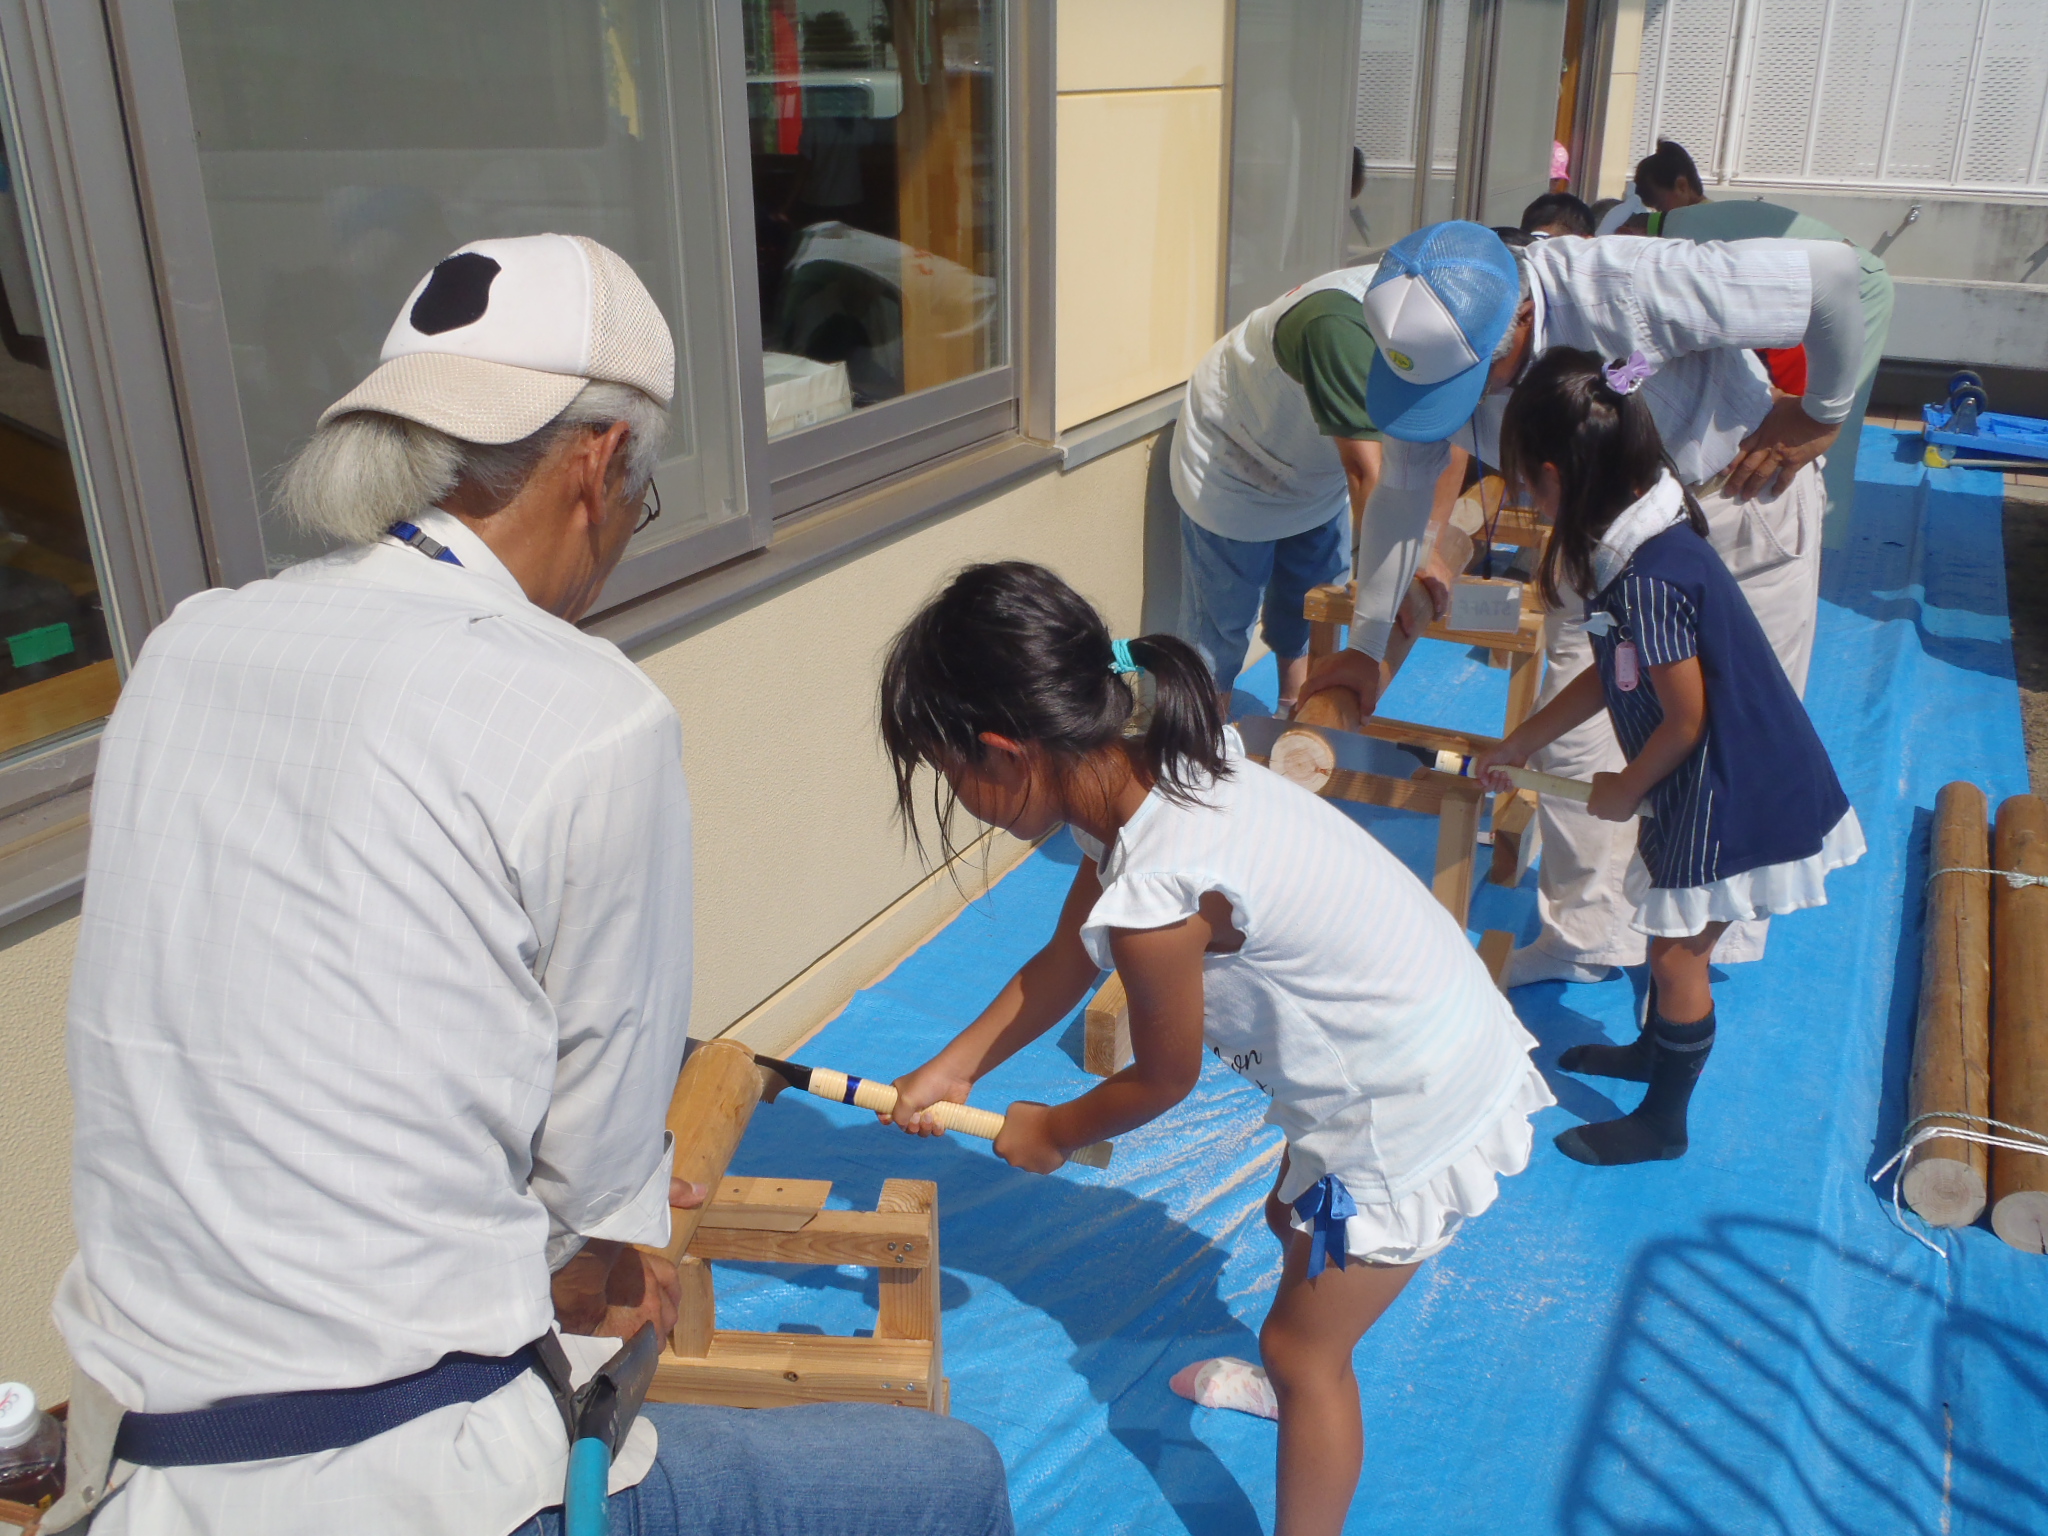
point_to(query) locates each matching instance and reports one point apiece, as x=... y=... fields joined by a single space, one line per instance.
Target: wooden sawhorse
x=783 y=1221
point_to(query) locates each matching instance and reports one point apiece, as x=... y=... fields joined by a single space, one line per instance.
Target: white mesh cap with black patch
x=500 y=337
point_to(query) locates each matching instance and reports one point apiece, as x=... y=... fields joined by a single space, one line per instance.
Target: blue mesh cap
x=1438 y=306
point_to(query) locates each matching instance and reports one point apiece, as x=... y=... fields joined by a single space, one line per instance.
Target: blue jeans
x=825 y=1469
x=1224 y=584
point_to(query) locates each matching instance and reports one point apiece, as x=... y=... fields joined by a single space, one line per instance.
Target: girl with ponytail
x=1743 y=815
x=1246 y=915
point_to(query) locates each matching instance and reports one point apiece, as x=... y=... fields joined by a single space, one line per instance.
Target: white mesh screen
x=1389 y=52
x=1693 y=42
x=2002 y=140
x=1855 y=91
x=1450 y=86
x=1874 y=93
x=1778 y=110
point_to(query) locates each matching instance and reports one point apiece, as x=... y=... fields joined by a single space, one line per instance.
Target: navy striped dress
x=1758 y=789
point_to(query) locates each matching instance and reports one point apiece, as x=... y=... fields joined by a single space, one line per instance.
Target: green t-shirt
x=1322 y=344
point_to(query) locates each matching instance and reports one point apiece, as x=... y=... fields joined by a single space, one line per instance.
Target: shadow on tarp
x=1926 y=547
x=1902 y=1013
x=1733 y=1403
x=1064 y=1248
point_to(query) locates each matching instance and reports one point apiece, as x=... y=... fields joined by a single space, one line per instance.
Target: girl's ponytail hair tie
x=1625 y=377
x=1120 y=658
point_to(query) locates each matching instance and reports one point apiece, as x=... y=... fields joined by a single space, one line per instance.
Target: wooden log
x=1106 y=1030
x=715 y=1097
x=1306 y=757
x=1944 y=1180
x=2019 y=1031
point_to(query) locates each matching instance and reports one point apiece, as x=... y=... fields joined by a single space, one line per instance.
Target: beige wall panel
x=795 y=847
x=1140 y=236
x=1615 y=166
x=1128 y=45
x=35 y=1146
x=792 y=799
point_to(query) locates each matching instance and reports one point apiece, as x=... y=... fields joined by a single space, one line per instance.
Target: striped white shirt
x=381 y=990
x=1356 y=1002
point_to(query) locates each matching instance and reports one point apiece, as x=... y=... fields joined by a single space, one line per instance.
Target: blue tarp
x=1738 y=1342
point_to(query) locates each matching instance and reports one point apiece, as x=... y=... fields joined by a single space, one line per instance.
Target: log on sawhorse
x=783 y=1221
x=1453 y=799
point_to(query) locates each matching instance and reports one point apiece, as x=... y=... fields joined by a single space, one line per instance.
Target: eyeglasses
x=650 y=508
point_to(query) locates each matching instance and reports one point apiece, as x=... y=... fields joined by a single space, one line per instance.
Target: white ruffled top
x=1356 y=1002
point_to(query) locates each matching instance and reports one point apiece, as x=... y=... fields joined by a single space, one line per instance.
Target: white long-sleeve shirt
x=1695 y=312
x=382 y=986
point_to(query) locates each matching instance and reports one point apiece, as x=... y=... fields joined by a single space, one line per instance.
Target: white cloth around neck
x=1660 y=507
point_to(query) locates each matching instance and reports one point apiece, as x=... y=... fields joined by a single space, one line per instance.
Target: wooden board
x=1332 y=604
x=1428 y=791
x=1495 y=945
x=908 y=1299
x=831 y=1237
x=1944 y=1181
x=776 y=1370
x=1106 y=1030
x=1514 y=836
x=2019 y=1025
x=57 y=704
x=766 y=1205
x=1457 y=843
x=1438 y=738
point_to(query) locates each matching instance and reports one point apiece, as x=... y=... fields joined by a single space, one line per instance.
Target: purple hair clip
x=1625 y=378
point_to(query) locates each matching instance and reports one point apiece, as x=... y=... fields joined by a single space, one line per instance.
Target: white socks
x=1532 y=963
x=1227 y=1382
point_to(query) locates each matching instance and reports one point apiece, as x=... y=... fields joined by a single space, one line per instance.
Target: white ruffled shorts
x=1422 y=1223
x=1667 y=913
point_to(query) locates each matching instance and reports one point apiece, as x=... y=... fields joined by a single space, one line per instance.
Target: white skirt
x=1668 y=913
x=1422 y=1222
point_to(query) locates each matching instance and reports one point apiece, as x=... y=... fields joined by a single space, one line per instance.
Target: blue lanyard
x=407 y=533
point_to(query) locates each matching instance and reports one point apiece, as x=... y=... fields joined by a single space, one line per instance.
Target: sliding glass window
x=57 y=670
x=344 y=149
x=875 y=136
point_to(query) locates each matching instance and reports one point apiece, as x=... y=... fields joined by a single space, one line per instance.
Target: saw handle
x=1563 y=788
x=881 y=1098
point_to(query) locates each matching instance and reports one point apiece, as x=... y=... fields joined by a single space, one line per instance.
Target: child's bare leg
x=1679 y=968
x=1676 y=1044
x=1307 y=1344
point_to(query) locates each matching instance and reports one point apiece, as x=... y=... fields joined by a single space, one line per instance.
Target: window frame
x=813 y=466
x=116 y=393
x=121 y=238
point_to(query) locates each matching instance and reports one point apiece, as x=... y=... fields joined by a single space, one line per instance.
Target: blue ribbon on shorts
x=1327 y=1205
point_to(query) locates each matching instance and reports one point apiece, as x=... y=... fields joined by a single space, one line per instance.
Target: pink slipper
x=1227 y=1382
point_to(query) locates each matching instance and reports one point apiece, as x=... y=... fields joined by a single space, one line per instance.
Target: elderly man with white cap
x=382 y=987
x=1457 y=318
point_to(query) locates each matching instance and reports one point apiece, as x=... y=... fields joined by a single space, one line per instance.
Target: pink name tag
x=1627 y=667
